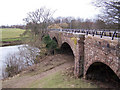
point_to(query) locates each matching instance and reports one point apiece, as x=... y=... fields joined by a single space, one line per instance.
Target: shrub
x=51 y=45
x=14 y=65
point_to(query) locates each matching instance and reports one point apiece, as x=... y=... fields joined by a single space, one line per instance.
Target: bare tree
x=38 y=21
x=14 y=65
x=29 y=54
x=111 y=10
x=99 y=24
x=64 y=20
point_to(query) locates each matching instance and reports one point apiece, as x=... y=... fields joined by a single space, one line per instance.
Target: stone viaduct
x=89 y=49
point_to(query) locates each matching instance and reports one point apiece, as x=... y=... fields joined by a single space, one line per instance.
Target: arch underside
x=55 y=39
x=63 y=40
x=114 y=71
x=70 y=46
x=65 y=47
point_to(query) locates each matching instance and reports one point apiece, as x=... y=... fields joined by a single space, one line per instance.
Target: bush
x=51 y=45
x=14 y=65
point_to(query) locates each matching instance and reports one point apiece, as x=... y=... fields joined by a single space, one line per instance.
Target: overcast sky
x=13 y=11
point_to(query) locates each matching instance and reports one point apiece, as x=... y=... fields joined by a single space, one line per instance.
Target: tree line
x=13 y=26
x=79 y=23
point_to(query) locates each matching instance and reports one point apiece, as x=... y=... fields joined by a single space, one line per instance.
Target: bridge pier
x=79 y=57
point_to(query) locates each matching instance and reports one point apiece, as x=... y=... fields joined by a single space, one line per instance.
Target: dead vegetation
x=47 y=64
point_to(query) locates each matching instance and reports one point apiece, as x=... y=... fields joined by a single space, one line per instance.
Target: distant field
x=11 y=34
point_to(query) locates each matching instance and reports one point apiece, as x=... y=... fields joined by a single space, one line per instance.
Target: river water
x=8 y=51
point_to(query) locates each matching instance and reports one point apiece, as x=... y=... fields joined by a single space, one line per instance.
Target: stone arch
x=66 y=48
x=71 y=46
x=55 y=39
x=55 y=36
x=90 y=64
x=52 y=36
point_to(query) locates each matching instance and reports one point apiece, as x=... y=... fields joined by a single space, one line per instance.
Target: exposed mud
x=10 y=43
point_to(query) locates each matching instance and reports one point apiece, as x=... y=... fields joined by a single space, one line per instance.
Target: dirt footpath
x=49 y=65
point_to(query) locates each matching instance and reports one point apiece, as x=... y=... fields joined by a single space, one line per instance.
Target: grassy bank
x=59 y=80
x=53 y=72
x=11 y=36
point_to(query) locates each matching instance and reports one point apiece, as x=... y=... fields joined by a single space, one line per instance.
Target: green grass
x=11 y=34
x=57 y=80
x=12 y=39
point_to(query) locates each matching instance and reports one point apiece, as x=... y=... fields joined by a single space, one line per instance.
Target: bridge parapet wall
x=102 y=50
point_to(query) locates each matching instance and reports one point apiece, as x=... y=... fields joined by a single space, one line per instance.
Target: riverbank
x=10 y=43
x=52 y=72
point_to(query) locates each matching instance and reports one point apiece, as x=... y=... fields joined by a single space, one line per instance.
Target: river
x=18 y=50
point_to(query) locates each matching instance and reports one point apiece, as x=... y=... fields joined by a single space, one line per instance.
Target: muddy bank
x=10 y=43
